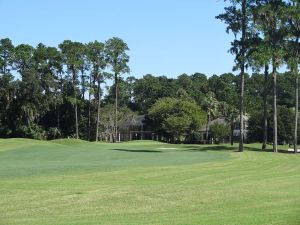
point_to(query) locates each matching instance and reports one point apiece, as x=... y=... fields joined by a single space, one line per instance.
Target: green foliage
x=178 y=126
x=268 y=17
x=116 y=51
x=23 y=58
x=220 y=131
x=52 y=81
x=6 y=55
x=285 y=125
x=96 y=54
x=210 y=104
x=97 y=57
x=53 y=133
x=107 y=122
x=146 y=91
x=33 y=131
x=177 y=117
x=71 y=52
x=237 y=17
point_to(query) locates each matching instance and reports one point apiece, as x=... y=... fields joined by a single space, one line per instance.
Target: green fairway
x=70 y=182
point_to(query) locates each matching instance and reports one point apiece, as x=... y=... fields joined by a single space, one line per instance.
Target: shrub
x=220 y=131
x=54 y=133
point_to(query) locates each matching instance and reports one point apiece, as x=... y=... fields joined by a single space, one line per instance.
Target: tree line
x=57 y=92
x=56 y=86
x=49 y=92
x=266 y=34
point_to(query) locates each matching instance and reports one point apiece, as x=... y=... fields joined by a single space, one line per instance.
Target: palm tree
x=231 y=114
x=210 y=104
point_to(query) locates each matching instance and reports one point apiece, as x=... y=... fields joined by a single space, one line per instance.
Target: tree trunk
x=231 y=133
x=89 y=122
x=242 y=82
x=82 y=83
x=296 y=99
x=241 y=143
x=75 y=108
x=265 y=135
x=296 y=112
x=76 y=118
x=116 y=107
x=98 y=110
x=274 y=74
x=208 y=120
x=58 y=117
x=61 y=96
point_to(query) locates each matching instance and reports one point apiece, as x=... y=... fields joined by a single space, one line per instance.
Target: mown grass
x=70 y=182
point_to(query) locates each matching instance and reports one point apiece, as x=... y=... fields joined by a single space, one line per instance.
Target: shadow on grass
x=208 y=148
x=131 y=150
x=229 y=148
x=195 y=148
x=266 y=150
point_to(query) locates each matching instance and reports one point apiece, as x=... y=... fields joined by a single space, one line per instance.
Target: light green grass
x=70 y=182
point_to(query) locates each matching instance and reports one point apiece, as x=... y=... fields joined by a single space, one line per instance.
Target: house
x=136 y=128
x=205 y=134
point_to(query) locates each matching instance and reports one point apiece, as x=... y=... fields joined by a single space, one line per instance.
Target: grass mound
x=70 y=141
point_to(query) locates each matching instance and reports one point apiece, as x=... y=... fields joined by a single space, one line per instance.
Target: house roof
x=245 y=117
x=135 y=121
x=138 y=120
x=221 y=120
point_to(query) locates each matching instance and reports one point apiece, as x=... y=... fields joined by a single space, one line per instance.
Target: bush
x=33 y=131
x=177 y=119
x=54 y=133
x=219 y=131
x=285 y=117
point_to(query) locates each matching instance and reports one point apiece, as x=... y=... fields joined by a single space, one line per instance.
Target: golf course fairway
x=73 y=182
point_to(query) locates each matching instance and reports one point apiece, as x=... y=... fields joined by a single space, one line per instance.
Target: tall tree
x=97 y=57
x=55 y=64
x=7 y=86
x=6 y=55
x=268 y=17
x=48 y=63
x=7 y=95
x=116 y=50
x=130 y=82
x=30 y=104
x=237 y=17
x=265 y=106
x=84 y=67
x=23 y=58
x=72 y=58
x=292 y=17
x=260 y=59
x=146 y=92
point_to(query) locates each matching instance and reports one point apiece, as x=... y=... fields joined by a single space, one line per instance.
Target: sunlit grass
x=76 y=182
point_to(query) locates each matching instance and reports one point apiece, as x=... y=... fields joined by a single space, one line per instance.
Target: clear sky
x=165 y=37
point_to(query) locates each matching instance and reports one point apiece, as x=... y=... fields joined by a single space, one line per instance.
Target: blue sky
x=165 y=37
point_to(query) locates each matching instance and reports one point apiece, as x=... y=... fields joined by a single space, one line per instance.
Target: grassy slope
x=75 y=182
